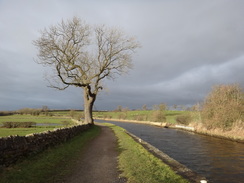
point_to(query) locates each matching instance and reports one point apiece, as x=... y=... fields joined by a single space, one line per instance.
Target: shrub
x=160 y=107
x=223 y=107
x=34 y=112
x=80 y=116
x=139 y=117
x=72 y=113
x=122 y=115
x=27 y=124
x=18 y=124
x=8 y=125
x=183 y=119
x=158 y=116
x=66 y=123
x=6 y=113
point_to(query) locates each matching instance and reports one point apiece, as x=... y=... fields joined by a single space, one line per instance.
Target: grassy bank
x=50 y=165
x=235 y=134
x=138 y=165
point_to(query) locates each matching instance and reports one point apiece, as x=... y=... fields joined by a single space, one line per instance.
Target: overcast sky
x=187 y=47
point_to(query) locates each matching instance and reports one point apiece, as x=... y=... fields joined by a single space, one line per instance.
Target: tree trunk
x=89 y=100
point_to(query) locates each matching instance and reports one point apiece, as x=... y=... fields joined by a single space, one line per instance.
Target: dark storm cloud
x=187 y=47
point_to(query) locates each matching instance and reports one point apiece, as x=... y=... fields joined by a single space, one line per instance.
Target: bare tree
x=83 y=55
x=144 y=107
x=119 y=108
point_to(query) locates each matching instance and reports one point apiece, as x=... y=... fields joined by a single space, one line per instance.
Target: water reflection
x=216 y=159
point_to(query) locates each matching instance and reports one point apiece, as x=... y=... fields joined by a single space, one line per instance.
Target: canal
x=220 y=161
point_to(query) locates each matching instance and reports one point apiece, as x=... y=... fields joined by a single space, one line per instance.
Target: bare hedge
x=183 y=119
x=18 y=124
x=223 y=107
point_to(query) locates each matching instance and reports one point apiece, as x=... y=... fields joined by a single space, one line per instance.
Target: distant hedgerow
x=18 y=124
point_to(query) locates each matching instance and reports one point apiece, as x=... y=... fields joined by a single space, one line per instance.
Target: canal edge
x=179 y=168
x=188 y=129
x=166 y=125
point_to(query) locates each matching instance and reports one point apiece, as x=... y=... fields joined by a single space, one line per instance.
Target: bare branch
x=83 y=59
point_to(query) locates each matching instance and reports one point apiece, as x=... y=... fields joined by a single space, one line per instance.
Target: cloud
x=187 y=46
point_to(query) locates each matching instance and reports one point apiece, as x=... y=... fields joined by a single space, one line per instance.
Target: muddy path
x=98 y=162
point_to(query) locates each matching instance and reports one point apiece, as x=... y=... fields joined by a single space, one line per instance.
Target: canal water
x=220 y=161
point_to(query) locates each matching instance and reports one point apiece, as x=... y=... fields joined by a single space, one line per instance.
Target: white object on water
x=203 y=181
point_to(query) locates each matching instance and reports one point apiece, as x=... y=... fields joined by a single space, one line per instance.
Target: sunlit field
x=42 y=123
x=139 y=115
x=37 y=119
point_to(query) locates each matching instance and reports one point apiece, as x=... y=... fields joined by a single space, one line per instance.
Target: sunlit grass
x=138 y=165
x=30 y=118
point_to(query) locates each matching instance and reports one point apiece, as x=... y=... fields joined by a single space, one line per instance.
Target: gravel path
x=98 y=163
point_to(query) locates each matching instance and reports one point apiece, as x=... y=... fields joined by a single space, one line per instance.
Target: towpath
x=98 y=163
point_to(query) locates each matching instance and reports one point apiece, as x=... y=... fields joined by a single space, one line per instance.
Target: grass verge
x=50 y=165
x=138 y=165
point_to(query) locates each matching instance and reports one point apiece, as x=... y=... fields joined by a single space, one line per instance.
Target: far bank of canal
x=216 y=159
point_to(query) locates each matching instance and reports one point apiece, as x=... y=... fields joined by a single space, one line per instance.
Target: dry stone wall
x=13 y=148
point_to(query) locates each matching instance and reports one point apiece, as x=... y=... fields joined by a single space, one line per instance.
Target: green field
x=45 y=122
x=139 y=115
x=37 y=119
